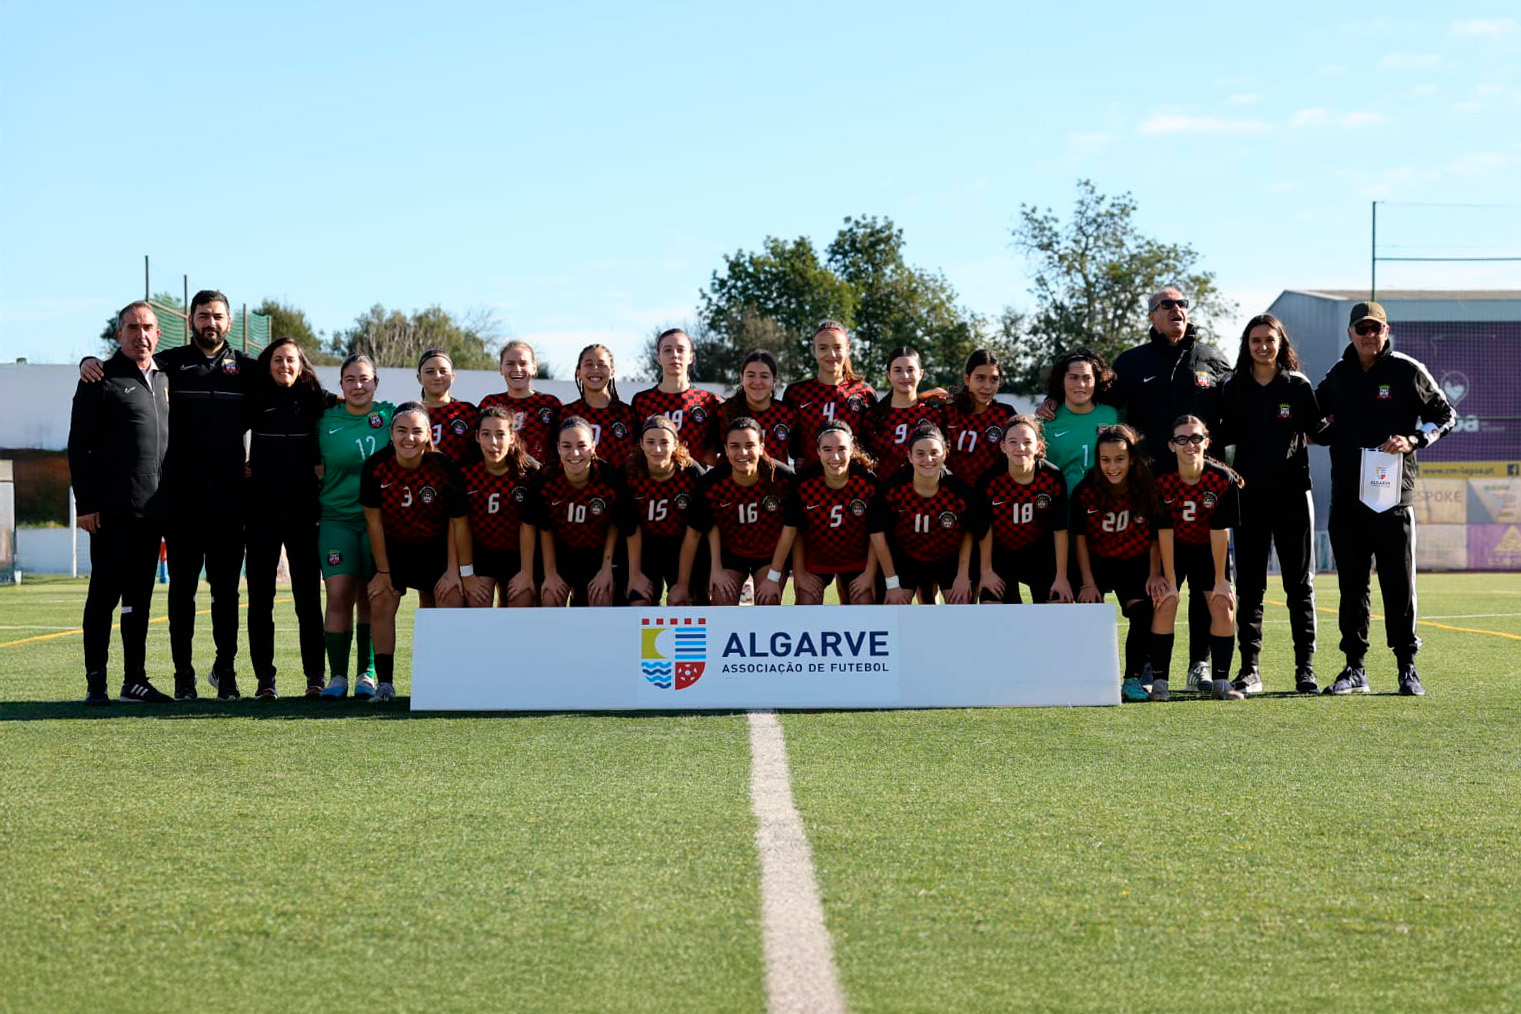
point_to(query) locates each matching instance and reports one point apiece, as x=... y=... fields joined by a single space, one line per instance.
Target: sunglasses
x=1189 y=438
x=1168 y=304
x=1368 y=327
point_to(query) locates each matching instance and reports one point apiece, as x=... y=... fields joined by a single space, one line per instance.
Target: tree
x=286 y=321
x=391 y=338
x=1093 y=276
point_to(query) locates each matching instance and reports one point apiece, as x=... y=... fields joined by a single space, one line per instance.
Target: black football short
x=417 y=565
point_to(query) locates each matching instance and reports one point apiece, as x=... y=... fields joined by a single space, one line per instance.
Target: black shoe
x=1410 y=683
x=266 y=691
x=96 y=695
x=1351 y=680
x=184 y=687
x=1248 y=681
x=140 y=691
x=224 y=683
x=1305 y=682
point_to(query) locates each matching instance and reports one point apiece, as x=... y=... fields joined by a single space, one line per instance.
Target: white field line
x=800 y=972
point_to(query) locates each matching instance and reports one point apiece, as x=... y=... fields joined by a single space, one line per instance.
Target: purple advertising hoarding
x=1478 y=365
x=1494 y=547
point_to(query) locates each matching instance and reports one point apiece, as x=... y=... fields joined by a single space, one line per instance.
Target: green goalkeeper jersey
x=347 y=441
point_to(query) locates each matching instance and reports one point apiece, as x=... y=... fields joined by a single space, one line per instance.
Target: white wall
x=46 y=550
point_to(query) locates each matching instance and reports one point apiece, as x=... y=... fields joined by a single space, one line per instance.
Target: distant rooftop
x=1391 y=295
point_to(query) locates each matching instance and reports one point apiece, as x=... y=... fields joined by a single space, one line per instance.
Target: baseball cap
x=1367 y=311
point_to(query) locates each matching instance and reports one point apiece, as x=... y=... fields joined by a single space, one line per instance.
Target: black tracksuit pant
x=209 y=537
x=123 y=562
x=265 y=536
x=1359 y=537
x=1286 y=520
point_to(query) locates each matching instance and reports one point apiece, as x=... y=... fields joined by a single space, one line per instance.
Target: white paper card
x=1383 y=473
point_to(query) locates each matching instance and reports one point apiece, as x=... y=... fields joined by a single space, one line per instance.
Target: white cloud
x=1281 y=188
x=1467 y=106
x=1090 y=142
x=1479 y=163
x=1308 y=118
x=1244 y=99
x=1360 y=119
x=1491 y=28
x=1409 y=61
x=1422 y=91
x=1331 y=69
x=1305 y=118
x=1173 y=124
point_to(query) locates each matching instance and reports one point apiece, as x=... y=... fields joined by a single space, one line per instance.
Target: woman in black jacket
x=285 y=400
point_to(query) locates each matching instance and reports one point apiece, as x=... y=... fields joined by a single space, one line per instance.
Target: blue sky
x=581 y=168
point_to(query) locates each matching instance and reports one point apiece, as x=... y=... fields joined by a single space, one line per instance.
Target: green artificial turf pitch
x=1279 y=854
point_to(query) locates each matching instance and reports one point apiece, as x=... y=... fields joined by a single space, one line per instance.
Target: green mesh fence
x=250 y=331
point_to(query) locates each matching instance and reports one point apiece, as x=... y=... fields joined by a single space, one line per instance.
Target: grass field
x=1280 y=854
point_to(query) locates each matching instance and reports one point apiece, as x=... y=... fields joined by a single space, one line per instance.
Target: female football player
x=739 y=508
x=662 y=485
x=895 y=418
x=826 y=521
x=499 y=545
x=836 y=392
x=693 y=409
x=615 y=424
x=1077 y=380
x=1026 y=541
x=974 y=420
x=756 y=398
x=414 y=510
x=578 y=508
x=925 y=523
x=534 y=414
x=453 y=420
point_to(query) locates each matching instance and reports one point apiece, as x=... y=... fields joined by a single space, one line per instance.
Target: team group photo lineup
x=1178 y=464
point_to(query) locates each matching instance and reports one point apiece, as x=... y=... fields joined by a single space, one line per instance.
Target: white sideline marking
x=800 y=972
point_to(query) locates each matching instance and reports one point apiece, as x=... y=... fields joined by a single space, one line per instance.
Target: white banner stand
x=707 y=657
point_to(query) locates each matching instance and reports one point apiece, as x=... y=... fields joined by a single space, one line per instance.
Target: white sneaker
x=338 y=686
x=384 y=692
x=1199 y=679
x=364 y=688
x=1248 y=681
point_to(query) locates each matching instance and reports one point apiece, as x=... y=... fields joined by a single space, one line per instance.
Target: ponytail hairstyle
x=433 y=354
x=926 y=430
x=858 y=453
x=1288 y=359
x=1103 y=376
x=1026 y=419
x=418 y=408
x=519 y=464
x=638 y=465
x=737 y=406
x=980 y=357
x=847 y=372
x=612 y=384
x=1185 y=420
x=768 y=464
x=886 y=400
x=1139 y=487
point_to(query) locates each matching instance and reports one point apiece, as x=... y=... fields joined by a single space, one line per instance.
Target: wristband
x=774 y=575
x=892 y=583
x=468 y=570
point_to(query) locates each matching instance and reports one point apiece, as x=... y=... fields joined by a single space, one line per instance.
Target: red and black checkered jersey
x=496 y=503
x=1022 y=514
x=614 y=428
x=778 y=423
x=1193 y=511
x=660 y=507
x=749 y=518
x=832 y=522
x=972 y=441
x=888 y=430
x=415 y=504
x=817 y=403
x=694 y=411
x=928 y=529
x=454 y=429
x=1121 y=531
x=535 y=421
x=578 y=515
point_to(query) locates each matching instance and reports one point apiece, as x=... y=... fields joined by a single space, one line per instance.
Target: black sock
x=1220 y=649
x=1137 y=638
x=385 y=667
x=1161 y=655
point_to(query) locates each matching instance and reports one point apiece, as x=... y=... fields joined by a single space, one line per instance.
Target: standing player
x=924 y=525
x=896 y=416
x=285 y=400
x=837 y=392
x=1026 y=541
x=348 y=434
x=615 y=426
x=827 y=511
x=1198 y=510
x=974 y=421
x=534 y=415
x=1270 y=412
x=694 y=410
x=498 y=544
x=414 y=511
x=1112 y=512
x=756 y=398
x=577 y=506
x=739 y=507
x=453 y=420
x=1078 y=380
x=662 y=486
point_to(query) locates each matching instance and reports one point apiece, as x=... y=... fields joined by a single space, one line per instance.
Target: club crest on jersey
x=459 y=426
x=230 y=367
x=1384 y=393
x=698 y=415
x=596 y=505
x=619 y=430
x=519 y=494
x=1201 y=378
x=545 y=415
x=1209 y=500
x=682 y=501
x=376 y=420
x=673 y=652
x=856 y=403
x=782 y=431
x=1283 y=411
x=427 y=494
x=1042 y=501
x=334 y=557
x=771 y=504
x=858 y=507
x=947 y=519
x=994 y=434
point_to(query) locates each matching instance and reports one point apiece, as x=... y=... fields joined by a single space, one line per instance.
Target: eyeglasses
x=1168 y=304
x=1189 y=438
x=1368 y=327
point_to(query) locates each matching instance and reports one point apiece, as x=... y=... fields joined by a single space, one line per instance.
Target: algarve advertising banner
x=764 y=657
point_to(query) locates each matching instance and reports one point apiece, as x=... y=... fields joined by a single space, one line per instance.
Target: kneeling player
x=1026 y=541
x=499 y=545
x=662 y=486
